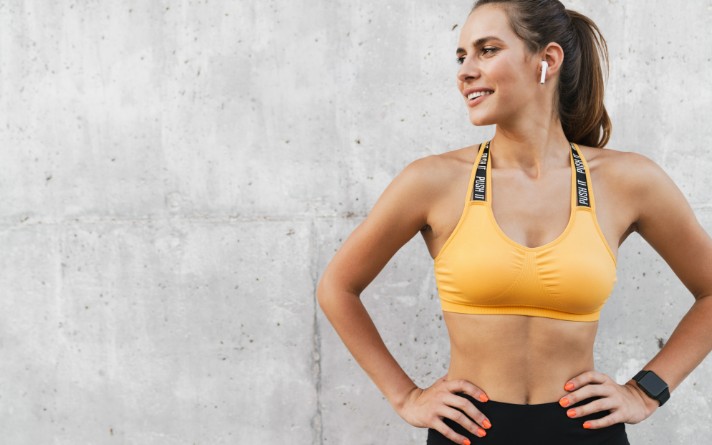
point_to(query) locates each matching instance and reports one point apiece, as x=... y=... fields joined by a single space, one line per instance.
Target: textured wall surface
x=176 y=175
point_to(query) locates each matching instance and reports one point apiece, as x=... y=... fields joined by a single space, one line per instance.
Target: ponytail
x=581 y=86
x=583 y=114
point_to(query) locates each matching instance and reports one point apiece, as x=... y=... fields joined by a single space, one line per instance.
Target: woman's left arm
x=667 y=222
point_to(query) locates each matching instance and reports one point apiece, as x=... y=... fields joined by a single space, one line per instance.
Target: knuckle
x=612 y=419
x=615 y=418
x=460 y=403
x=596 y=407
x=603 y=422
x=471 y=411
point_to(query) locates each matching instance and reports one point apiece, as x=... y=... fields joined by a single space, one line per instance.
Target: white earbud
x=544 y=66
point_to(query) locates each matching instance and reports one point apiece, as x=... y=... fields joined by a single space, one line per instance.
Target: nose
x=468 y=70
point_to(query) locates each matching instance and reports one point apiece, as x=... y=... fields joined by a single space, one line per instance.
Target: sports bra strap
x=479 y=187
x=583 y=196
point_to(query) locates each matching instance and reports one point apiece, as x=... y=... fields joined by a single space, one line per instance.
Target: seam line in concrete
x=317 y=418
x=217 y=219
x=214 y=220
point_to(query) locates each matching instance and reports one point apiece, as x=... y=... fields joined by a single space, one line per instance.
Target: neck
x=534 y=146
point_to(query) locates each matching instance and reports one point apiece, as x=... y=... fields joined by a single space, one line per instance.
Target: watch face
x=653 y=384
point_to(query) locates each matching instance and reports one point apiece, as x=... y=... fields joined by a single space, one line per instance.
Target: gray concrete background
x=176 y=175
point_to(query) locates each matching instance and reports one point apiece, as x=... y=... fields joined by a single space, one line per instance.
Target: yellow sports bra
x=480 y=270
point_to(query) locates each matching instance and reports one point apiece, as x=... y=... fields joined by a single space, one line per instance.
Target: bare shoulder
x=613 y=159
x=642 y=185
x=432 y=176
x=436 y=167
x=627 y=170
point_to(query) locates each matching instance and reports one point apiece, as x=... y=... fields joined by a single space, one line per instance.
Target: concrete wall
x=176 y=175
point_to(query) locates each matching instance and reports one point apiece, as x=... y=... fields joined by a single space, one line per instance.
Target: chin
x=481 y=121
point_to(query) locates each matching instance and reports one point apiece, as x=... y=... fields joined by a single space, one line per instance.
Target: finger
x=585 y=379
x=468 y=408
x=590 y=408
x=603 y=422
x=586 y=392
x=460 y=418
x=468 y=388
x=449 y=433
x=442 y=379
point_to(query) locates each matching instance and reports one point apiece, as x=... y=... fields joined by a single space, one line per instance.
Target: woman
x=524 y=269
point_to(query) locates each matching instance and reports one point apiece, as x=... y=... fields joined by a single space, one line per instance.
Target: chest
x=531 y=212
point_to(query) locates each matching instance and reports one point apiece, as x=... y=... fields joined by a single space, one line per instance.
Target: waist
x=516 y=359
x=519 y=390
x=526 y=409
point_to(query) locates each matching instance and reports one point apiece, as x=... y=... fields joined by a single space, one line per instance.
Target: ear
x=554 y=56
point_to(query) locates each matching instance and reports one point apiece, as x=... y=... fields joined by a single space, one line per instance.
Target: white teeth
x=478 y=94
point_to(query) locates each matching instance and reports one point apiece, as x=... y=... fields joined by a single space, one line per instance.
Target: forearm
x=351 y=321
x=689 y=344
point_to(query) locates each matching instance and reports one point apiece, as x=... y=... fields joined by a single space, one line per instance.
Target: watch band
x=653 y=386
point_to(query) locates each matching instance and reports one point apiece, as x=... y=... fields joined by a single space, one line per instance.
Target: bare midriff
x=519 y=359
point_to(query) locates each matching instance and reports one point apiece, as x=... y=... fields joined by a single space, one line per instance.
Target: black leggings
x=544 y=423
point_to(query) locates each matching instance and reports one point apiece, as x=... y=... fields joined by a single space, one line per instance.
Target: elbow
x=329 y=292
x=325 y=292
x=321 y=293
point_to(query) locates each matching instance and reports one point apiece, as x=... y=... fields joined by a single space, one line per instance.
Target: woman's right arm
x=398 y=215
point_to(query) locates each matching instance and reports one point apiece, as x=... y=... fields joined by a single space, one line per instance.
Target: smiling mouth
x=475 y=95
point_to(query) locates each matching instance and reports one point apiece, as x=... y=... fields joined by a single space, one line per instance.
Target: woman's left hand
x=627 y=403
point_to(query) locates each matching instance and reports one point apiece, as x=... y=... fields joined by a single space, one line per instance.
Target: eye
x=460 y=60
x=489 y=49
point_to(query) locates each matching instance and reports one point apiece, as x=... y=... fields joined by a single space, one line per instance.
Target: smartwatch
x=653 y=386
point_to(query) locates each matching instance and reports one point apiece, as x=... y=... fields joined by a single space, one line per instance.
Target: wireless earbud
x=544 y=66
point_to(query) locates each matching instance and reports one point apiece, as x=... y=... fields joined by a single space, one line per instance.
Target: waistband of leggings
x=524 y=407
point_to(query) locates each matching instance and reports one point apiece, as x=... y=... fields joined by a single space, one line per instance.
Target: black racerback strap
x=479 y=189
x=581 y=179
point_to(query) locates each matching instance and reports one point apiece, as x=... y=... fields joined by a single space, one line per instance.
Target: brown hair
x=580 y=93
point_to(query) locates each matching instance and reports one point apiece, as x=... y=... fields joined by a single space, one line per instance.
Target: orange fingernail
x=481 y=432
x=571 y=413
x=466 y=442
x=486 y=423
x=569 y=386
x=564 y=402
x=587 y=425
x=484 y=398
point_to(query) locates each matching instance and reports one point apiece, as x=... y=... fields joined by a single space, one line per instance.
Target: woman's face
x=494 y=59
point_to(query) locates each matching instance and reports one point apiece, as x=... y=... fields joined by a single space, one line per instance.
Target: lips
x=476 y=95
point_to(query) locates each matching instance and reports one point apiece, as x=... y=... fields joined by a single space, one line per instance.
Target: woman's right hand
x=426 y=408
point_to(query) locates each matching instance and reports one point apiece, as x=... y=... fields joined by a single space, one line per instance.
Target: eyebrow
x=478 y=42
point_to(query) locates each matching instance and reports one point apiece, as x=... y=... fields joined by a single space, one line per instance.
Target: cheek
x=514 y=88
x=507 y=76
